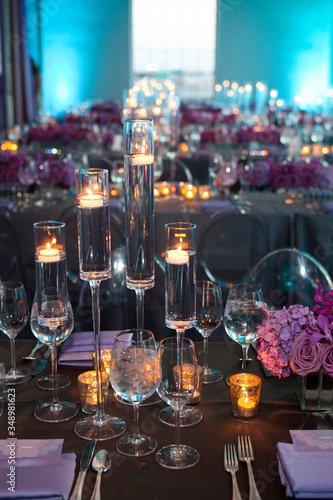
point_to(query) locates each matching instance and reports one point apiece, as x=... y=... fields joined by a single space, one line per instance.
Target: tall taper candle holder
x=52 y=306
x=92 y=191
x=180 y=306
x=139 y=210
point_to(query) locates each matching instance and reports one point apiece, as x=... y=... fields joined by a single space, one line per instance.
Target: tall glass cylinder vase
x=94 y=240
x=52 y=305
x=174 y=131
x=139 y=210
x=180 y=297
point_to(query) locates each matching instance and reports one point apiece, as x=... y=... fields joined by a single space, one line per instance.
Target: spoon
x=101 y=463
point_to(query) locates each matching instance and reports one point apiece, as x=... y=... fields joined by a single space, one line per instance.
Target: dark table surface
x=130 y=478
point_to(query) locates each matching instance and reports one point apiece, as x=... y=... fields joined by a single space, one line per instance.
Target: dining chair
x=230 y=244
x=289 y=276
x=10 y=264
x=175 y=170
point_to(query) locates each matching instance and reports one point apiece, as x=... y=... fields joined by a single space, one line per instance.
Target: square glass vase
x=315 y=391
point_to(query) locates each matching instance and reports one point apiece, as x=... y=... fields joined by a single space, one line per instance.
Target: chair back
x=10 y=265
x=230 y=244
x=289 y=276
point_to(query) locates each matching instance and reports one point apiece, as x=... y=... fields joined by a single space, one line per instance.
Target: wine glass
x=133 y=374
x=209 y=310
x=53 y=315
x=14 y=313
x=43 y=334
x=180 y=278
x=179 y=379
x=243 y=314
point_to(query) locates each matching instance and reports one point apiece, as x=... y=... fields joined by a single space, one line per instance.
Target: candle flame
x=54 y=241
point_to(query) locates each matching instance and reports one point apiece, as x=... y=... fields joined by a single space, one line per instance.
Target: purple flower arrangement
x=241 y=135
x=68 y=133
x=276 y=175
x=298 y=340
x=41 y=171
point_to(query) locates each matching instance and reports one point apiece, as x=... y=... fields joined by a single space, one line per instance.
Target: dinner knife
x=86 y=457
x=42 y=363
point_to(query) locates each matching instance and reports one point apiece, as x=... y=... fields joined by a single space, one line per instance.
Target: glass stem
x=95 y=286
x=177 y=429
x=205 y=354
x=136 y=420
x=140 y=307
x=55 y=403
x=12 y=353
x=245 y=348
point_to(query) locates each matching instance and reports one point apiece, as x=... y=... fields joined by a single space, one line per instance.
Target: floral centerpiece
x=299 y=340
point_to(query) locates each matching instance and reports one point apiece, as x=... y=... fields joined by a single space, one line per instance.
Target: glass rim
x=49 y=224
x=180 y=225
x=172 y=343
x=139 y=120
x=92 y=171
x=134 y=330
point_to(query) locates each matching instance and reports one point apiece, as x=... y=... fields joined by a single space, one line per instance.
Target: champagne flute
x=14 y=313
x=133 y=374
x=94 y=239
x=180 y=278
x=209 y=310
x=243 y=314
x=43 y=334
x=53 y=315
x=179 y=379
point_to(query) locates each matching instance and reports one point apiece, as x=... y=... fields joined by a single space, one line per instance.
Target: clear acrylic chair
x=289 y=276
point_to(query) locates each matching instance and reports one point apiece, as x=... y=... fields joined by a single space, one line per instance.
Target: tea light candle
x=245 y=394
x=142 y=159
x=91 y=199
x=205 y=192
x=178 y=256
x=49 y=254
x=88 y=390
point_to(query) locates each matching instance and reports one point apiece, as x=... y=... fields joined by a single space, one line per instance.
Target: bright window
x=176 y=39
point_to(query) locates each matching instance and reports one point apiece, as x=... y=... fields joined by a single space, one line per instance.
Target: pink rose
x=327 y=360
x=305 y=355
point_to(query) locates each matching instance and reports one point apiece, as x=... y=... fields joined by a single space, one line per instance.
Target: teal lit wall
x=283 y=43
x=84 y=50
x=85 y=47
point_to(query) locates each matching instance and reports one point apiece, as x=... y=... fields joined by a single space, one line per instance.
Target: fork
x=32 y=356
x=231 y=465
x=245 y=453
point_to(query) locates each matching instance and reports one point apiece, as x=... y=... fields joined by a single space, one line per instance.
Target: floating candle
x=90 y=199
x=142 y=159
x=177 y=256
x=48 y=253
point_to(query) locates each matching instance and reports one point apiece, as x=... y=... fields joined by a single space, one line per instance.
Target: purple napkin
x=327 y=207
x=6 y=204
x=115 y=205
x=40 y=471
x=306 y=474
x=214 y=205
x=78 y=348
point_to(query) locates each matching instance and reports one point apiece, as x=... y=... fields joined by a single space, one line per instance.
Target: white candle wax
x=142 y=159
x=178 y=257
x=93 y=200
x=48 y=255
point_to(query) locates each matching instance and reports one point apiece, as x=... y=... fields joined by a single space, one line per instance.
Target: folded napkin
x=78 y=348
x=306 y=474
x=49 y=475
x=214 y=205
x=6 y=204
x=115 y=205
